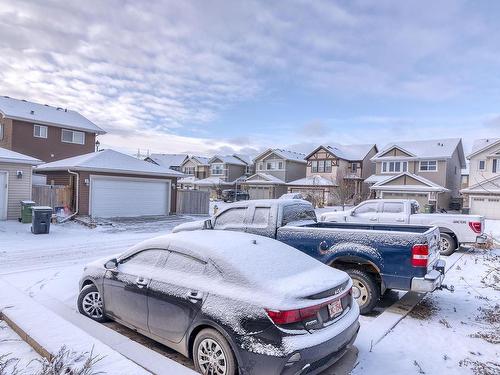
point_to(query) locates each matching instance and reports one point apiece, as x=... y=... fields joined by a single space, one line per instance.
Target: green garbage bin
x=26 y=212
x=429 y=208
x=40 y=223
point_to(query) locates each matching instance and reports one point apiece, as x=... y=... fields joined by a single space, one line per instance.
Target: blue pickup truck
x=377 y=257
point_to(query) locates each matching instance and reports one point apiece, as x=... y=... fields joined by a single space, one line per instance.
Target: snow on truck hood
x=189 y=226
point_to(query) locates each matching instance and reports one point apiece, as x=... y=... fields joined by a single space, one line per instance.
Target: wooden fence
x=52 y=195
x=193 y=202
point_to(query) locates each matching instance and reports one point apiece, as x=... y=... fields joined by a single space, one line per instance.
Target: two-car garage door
x=127 y=197
x=488 y=206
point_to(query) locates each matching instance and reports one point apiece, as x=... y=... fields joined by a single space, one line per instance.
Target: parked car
x=456 y=230
x=233 y=302
x=292 y=196
x=231 y=195
x=377 y=257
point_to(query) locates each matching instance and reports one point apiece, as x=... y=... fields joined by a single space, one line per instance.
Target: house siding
x=18 y=189
x=46 y=149
x=6 y=141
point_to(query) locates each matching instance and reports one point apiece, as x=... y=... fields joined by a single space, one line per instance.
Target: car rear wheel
x=212 y=354
x=365 y=289
x=90 y=303
x=447 y=244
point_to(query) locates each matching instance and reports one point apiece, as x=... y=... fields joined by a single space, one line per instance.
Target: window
x=354 y=167
x=232 y=217
x=495 y=165
x=321 y=166
x=314 y=166
x=393 y=208
x=428 y=166
x=189 y=170
x=394 y=166
x=39 y=131
x=217 y=169
x=366 y=208
x=328 y=166
x=148 y=258
x=184 y=263
x=71 y=136
x=261 y=217
x=269 y=166
x=280 y=165
x=1 y=132
x=482 y=165
x=260 y=166
x=298 y=212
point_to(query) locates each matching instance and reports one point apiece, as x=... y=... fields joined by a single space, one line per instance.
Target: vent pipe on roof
x=32 y=112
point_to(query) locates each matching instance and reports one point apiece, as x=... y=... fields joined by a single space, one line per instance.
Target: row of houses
x=61 y=144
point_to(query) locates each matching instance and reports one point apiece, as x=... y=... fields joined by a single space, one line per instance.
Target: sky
x=209 y=77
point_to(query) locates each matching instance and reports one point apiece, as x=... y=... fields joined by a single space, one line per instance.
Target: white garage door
x=259 y=192
x=489 y=207
x=126 y=197
x=421 y=198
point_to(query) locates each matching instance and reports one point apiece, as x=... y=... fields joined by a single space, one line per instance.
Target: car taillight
x=419 y=255
x=475 y=226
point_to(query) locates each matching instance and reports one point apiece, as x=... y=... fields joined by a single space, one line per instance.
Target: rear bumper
x=482 y=239
x=431 y=281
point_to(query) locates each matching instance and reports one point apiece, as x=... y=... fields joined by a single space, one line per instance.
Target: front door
x=175 y=297
x=3 y=195
x=125 y=289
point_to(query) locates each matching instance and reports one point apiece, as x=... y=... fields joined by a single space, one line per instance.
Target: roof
x=284 y=154
x=109 y=161
x=486 y=186
x=428 y=149
x=265 y=179
x=245 y=158
x=346 y=152
x=187 y=180
x=228 y=159
x=201 y=159
x=430 y=186
x=483 y=144
x=315 y=180
x=47 y=115
x=168 y=160
x=374 y=178
x=8 y=156
x=211 y=181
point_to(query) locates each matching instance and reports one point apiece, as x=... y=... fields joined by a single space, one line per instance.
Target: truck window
x=366 y=208
x=261 y=217
x=393 y=208
x=232 y=217
x=298 y=212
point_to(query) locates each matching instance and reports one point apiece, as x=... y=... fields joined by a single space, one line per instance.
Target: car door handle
x=400 y=220
x=141 y=282
x=194 y=296
x=373 y=219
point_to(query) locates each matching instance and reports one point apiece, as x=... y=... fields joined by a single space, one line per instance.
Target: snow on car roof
x=46 y=114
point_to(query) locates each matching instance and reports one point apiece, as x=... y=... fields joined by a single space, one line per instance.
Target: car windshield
x=298 y=212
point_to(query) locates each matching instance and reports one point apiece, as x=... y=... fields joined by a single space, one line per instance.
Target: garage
x=260 y=192
x=421 y=198
x=128 y=197
x=487 y=206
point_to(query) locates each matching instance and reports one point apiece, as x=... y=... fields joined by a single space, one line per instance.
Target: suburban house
x=169 y=161
x=335 y=174
x=225 y=172
x=195 y=168
x=273 y=169
x=482 y=196
x=111 y=184
x=428 y=171
x=15 y=182
x=45 y=132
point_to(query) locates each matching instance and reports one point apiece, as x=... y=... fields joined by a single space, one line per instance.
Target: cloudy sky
x=207 y=76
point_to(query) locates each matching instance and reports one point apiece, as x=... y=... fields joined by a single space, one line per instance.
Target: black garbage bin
x=40 y=224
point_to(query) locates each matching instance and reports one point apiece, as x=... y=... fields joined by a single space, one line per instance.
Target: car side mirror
x=207 y=224
x=353 y=213
x=111 y=264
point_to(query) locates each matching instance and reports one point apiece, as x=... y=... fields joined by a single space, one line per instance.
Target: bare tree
x=345 y=192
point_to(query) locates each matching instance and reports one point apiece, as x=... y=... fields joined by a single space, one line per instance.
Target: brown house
x=45 y=132
x=111 y=184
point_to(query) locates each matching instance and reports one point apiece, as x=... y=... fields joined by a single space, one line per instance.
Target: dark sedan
x=233 y=302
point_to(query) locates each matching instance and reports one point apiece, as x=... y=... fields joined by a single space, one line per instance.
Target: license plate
x=334 y=308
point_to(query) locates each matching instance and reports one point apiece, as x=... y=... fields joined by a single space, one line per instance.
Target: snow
x=18 y=353
x=285 y=154
x=34 y=112
x=481 y=144
x=211 y=181
x=312 y=181
x=428 y=149
x=8 y=156
x=350 y=152
x=169 y=160
x=431 y=186
x=108 y=161
x=263 y=179
x=227 y=159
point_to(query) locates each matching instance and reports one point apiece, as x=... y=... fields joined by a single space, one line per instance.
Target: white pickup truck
x=456 y=230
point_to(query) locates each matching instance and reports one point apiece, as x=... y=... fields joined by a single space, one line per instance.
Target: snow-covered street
x=448 y=332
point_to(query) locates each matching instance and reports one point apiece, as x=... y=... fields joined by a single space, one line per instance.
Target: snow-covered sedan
x=233 y=302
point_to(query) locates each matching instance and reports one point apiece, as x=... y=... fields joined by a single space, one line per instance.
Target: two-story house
x=428 y=171
x=335 y=173
x=482 y=196
x=274 y=168
x=225 y=172
x=45 y=132
x=195 y=168
x=169 y=161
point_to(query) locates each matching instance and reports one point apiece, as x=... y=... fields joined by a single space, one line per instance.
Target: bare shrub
x=68 y=362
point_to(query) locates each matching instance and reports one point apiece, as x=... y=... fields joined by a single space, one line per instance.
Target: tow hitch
x=451 y=288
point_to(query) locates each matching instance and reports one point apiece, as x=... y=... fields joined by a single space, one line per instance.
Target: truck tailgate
x=432 y=236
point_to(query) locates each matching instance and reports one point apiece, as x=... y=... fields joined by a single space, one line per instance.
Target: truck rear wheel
x=365 y=289
x=447 y=244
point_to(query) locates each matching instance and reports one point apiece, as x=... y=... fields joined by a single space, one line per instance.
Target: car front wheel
x=90 y=303
x=212 y=354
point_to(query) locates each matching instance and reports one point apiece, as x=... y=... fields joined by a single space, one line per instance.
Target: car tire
x=90 y=304
x=365 y=289
x=447 y=244
x=207 y=342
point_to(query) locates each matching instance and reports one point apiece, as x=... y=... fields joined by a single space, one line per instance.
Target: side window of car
x=232 y=217
x=261 y=217
x=183 y=263
x=366 y=208
x=393 y=208
x=147 y=258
